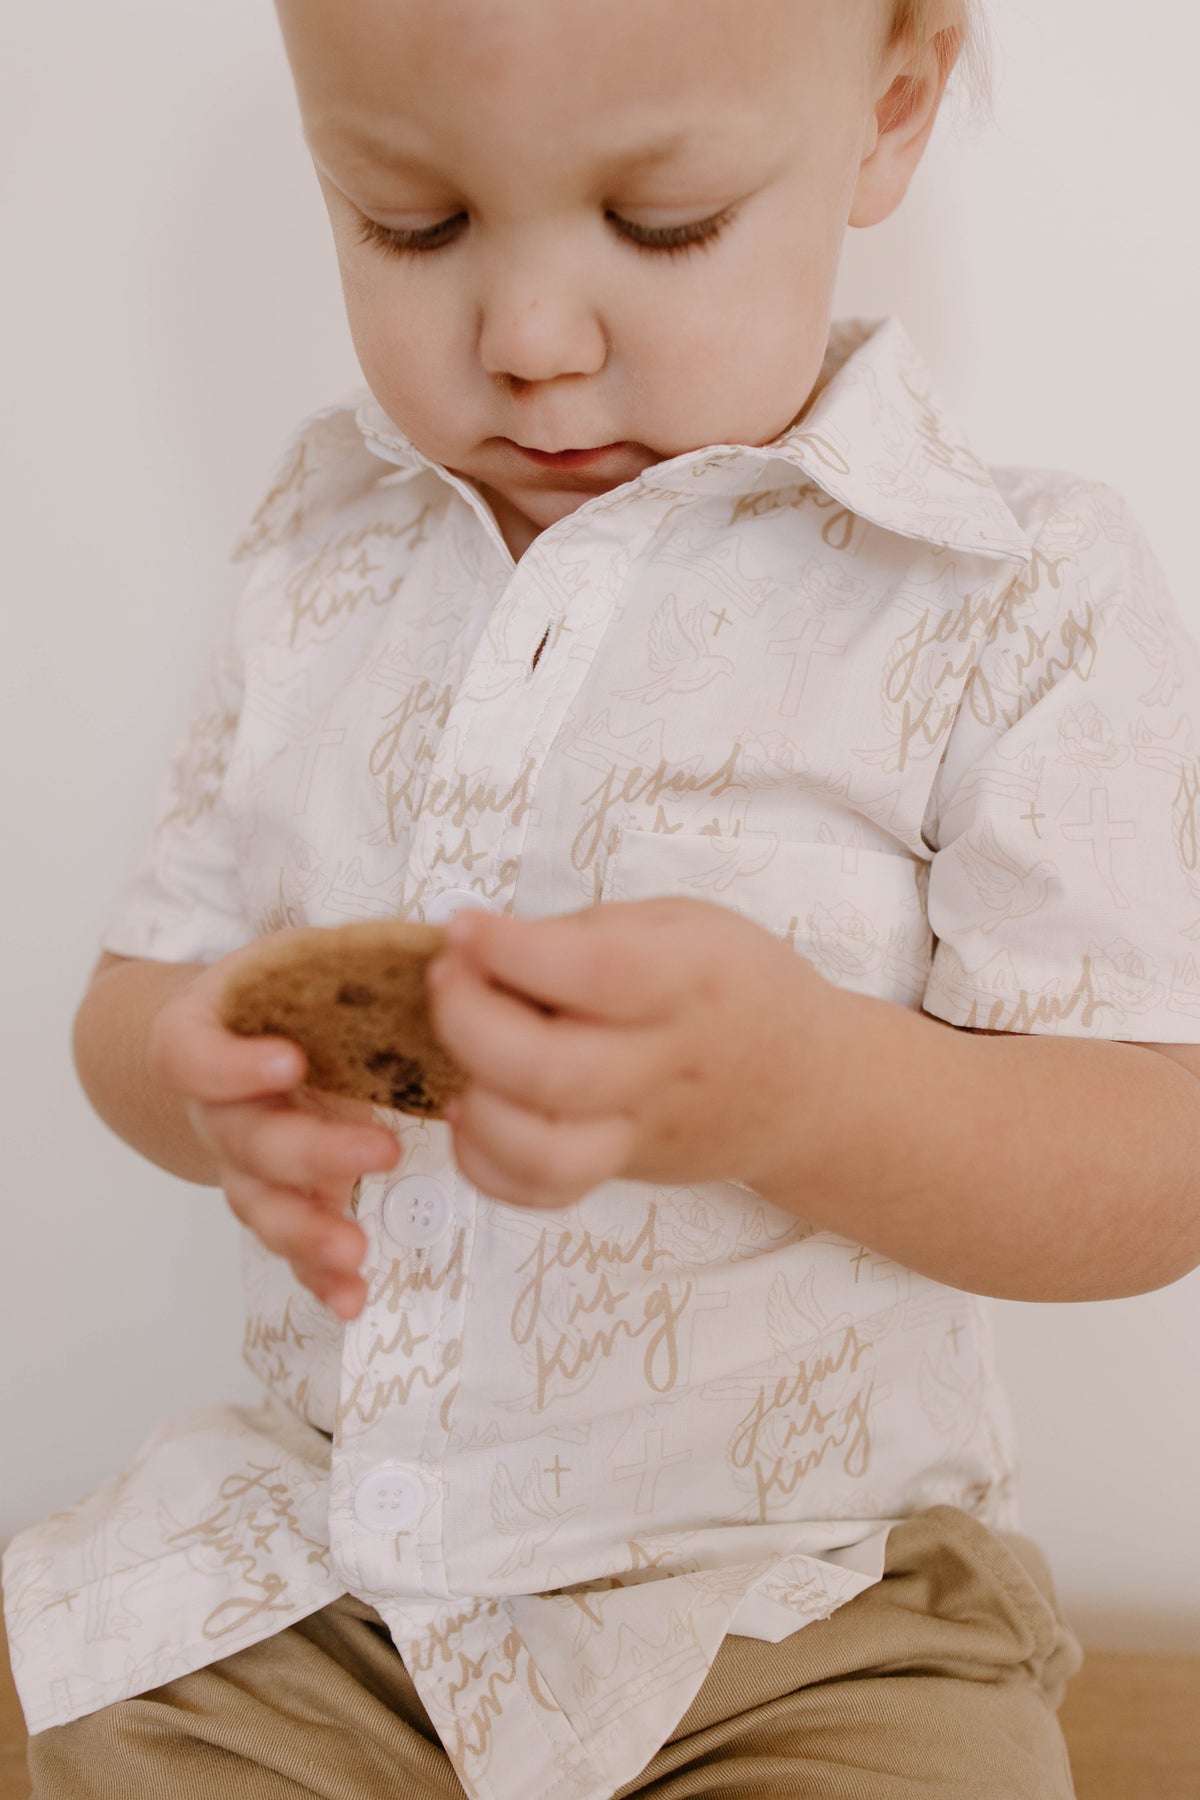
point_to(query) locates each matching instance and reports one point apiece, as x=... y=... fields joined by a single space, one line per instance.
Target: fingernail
x=375 y=1156
x=436 y=973
x=281 y=1065
x=459 y=929
x=356 y=1158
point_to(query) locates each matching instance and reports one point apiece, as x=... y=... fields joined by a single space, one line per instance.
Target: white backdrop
x=170 y=309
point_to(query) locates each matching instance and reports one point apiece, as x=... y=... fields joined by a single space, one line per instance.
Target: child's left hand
x=669 y=1040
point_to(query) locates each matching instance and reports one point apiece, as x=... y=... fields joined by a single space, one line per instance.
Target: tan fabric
x=943 y=1678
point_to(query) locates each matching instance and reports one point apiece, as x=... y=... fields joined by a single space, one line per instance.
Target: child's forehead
x=599 y=52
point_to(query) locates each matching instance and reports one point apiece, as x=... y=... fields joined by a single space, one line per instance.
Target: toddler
x=811 y=810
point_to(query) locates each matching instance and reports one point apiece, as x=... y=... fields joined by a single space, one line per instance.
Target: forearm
x=1025 y=1167
x=109 y=1042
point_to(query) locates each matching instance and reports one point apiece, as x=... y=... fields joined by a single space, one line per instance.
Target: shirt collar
x=878 y=436
x=874 y=434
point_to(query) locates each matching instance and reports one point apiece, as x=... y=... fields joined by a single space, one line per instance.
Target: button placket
x=500 y=727
x=480 y=779
x=386 y=1470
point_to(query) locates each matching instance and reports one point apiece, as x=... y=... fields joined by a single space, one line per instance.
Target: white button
x=416 y=1210
x=440 y=908
x=390 y=1498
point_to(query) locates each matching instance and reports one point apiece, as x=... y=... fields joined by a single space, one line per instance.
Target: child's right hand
x=287 y=1156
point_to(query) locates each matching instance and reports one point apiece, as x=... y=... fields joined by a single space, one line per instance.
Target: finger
x=605 y=962
x=535 y=1160
x=495 y=1182
x=551 y=1061
x=289 y=1148
x=295 y=1227
x=188 y=1049
x=344 y=1295
x=336 y=1106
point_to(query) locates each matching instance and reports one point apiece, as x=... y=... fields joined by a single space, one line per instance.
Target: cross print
x=1100 y=831
x=1033 y=815
x=952 y=1332
x=558 y=1470
x=801 y=650
x=308 y=767
x=857 y=1260
x=701 y=1303
x=722 y=618
x=651 y=1467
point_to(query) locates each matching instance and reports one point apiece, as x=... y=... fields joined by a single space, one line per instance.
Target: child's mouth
x=568 y=459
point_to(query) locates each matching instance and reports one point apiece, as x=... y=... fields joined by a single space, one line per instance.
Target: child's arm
x=688 y=1044
x=109 y=1043
x=164 y=1073
x=1026 y=1167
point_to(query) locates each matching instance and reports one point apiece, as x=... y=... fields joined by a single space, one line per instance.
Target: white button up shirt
x=932 y=723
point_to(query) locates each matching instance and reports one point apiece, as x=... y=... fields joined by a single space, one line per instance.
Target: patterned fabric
x=944 y=1678
x=931 y=723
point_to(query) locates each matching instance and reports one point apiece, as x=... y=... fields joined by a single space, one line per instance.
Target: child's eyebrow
x=364 y=143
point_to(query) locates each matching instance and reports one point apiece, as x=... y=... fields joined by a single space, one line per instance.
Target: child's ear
x=913 y=79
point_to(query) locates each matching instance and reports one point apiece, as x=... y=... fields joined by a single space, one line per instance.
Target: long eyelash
x=405 y=243
x=672 y=240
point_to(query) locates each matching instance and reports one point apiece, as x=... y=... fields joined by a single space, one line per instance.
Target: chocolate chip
x=395 y=1066
x=411 y=1098
x=405 y=1076
x=349 y=994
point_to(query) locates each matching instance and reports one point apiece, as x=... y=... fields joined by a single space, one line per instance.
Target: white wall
x=171 y=310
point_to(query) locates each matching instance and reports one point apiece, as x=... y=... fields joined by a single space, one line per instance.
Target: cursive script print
x=837 y=529
x=794 y=1424
x=1025 y=1011
x=637 y=784
x=478 y=1665
x=574 y=1312
x=350 y=571
x=458 y=798
x=277 y=1351
x=199 y=769
x=425 y=700
x=256 y=1508
x=399 y=1358
x=924 y=682
x=1076 y=634
x=367 y=1398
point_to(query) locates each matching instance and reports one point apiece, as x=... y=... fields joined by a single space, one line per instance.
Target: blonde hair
x=962 y=42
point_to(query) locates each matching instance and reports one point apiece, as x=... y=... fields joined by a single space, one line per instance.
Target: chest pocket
x=857 y=915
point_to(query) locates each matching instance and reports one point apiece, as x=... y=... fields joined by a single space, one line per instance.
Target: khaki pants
x=942 y=1679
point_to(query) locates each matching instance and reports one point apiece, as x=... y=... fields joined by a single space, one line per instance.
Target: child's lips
x=568 y=459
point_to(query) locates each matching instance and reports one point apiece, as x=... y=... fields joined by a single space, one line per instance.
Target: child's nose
x=538 y=331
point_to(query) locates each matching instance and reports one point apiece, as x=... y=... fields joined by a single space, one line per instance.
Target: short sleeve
x=185 y=900
x=182 y=903
x=1064 y=889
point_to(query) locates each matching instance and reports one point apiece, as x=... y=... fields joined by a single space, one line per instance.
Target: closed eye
x=671 y=240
